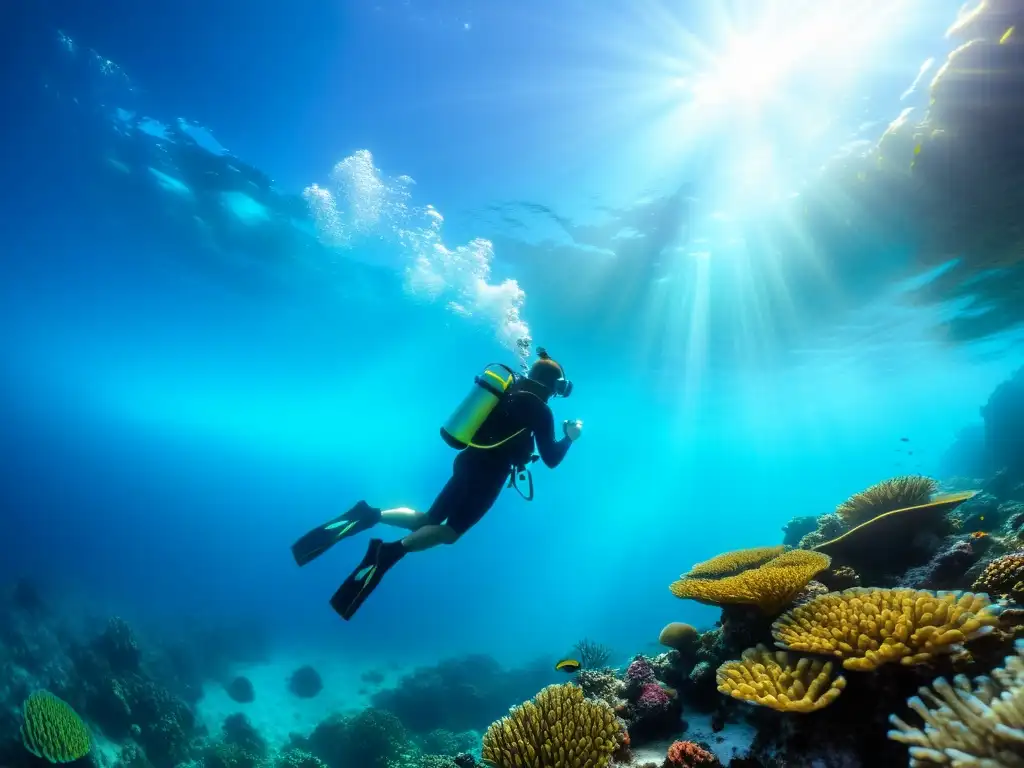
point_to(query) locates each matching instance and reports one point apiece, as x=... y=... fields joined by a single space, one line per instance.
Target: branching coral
x=886 y=496
x=559 y=728
x=770 y=586
x=1003 y=576
x=53 y=730
x=732 y=562
x=780 y=680
x=969 y=725
x=870 y=627
x=592 y=655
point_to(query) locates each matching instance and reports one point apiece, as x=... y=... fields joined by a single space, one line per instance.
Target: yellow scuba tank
x=488 y=389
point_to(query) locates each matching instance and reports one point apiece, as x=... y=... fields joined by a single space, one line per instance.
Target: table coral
x=770 y=586
x=559 y=728
x=870 y=627
x=780 y=680
x=732 y=562
x=969 y=724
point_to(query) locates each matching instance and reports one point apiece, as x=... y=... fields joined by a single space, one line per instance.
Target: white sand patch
x=276 y=711
x=732 y=741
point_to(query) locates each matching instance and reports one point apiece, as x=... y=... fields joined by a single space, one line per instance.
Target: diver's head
x=548 y=373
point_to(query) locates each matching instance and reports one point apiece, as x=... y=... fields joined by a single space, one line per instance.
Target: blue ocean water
x=254 y=253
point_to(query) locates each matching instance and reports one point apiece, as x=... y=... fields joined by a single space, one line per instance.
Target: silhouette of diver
x=495 y=429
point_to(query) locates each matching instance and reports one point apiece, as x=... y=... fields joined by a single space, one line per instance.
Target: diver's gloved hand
x=573 y=428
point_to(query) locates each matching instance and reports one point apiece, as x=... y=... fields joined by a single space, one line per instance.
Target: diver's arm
x=551 y=451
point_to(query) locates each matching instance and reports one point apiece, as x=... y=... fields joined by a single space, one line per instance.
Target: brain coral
x=679 y=636
x=969 y=725
x=780 y=680
x=729 y=563
x=770 y=586
x=870 y=627
x=897 y=493
x=558 y=729
x=1003 y=576
x=53 y=730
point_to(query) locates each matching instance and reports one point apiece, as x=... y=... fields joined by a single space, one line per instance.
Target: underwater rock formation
x=305 y=682
x=460 y=694
x=241 y=689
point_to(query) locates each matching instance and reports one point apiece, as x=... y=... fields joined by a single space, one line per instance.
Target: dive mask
x=563 y=386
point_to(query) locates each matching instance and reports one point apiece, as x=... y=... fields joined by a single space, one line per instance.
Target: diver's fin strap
x=514 y=477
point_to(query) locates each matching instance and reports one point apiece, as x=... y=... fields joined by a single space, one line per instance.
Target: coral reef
x=770 y=585
x=780 y=681
x=730 y=563
x=886 y=496
x=886 y=545
x=969 y=724
x=795 y=530
x=1003 y=577
x=830 y=526
x=559 y=728
x=870 y=627
x=947 y=568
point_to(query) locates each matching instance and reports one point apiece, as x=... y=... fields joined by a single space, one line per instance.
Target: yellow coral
x=780 y=680
x=897 y=493
x=870 y=627
x=968 y=725
x=770 y=587
x=53 y=730
x=559 y=728
x=729 y=563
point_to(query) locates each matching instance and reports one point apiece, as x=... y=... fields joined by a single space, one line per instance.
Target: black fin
x=358 y=519
x=364 y=579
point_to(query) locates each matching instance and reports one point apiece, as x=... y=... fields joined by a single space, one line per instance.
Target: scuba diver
x=495 y=430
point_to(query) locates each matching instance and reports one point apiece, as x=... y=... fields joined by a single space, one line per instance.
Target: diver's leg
x=313 y=544
x=403 y=517
x=428 y=537
x=460 y=511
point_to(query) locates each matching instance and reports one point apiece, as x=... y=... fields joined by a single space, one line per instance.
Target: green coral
x=53 y=730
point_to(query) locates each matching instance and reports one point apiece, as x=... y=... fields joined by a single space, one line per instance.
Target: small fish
x=569 y=666
x=904 y=439
x=1006 y=36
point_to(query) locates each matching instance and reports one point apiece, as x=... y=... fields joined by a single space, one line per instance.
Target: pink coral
x=653 y=698
x=686 y=754
x=640 y=671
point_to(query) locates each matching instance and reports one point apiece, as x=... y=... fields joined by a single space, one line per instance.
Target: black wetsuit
x=479 y=475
